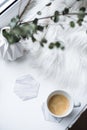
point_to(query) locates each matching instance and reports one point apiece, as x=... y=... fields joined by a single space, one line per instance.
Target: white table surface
x=16 y=114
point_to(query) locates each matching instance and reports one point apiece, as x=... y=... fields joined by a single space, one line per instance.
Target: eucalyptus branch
x=19 y=7
x=25 y=9
x=52 y=16
x=76 y=13
x=23 y=30
x=47 y=17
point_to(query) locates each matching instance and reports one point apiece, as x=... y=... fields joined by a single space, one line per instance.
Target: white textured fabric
x=68 y=68
x=26 y=87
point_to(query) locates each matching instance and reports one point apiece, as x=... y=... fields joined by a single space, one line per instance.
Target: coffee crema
x=58 y=104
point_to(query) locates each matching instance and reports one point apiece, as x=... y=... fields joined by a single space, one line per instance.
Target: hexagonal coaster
x=26 y=87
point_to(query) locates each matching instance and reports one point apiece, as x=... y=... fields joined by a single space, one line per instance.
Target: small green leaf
x=16 y=31
x=81 y=15
x=56 y=16
x=32 y=29
x=62 y=47
x=26 y=30
x=51 y=46
x=57 y=44
x=41 y=44
x=72 y=24
x=56 y=13
x=39 y=13
x=14 y=21
x=40 y=28
x=56 y=19
x=33 y=39
x=35 y=21
x=82 y=9
x=65 y=11
x=11 y=38
x=79 y=22
x=44 y=40
x=48 y=4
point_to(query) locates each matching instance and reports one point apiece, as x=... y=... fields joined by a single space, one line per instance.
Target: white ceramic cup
x=67 y=95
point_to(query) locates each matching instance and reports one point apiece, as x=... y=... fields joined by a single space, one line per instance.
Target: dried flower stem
x=25 y=9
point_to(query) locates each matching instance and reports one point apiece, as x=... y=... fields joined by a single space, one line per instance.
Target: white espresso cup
x=61 y=97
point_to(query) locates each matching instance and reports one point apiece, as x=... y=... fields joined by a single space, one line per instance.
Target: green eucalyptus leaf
x=14 y=21
x=82 y=9
x=43 y=40
x=39 y=12
x=65 y=11
x=41 y=44
x=56 y=16
x=79 y=21
x=51 y=46
x=35 y=21
x=40 y=28
x=57 y=44
x=72 y=24
x=11 y=38
x=56 y=19
x=28 y=30
x=16 y=31
x=62 y=47
x=33 y=28
x=81 y=15
x=24 y=31
x=48 y=4
x=5 y=34
x=33 y=38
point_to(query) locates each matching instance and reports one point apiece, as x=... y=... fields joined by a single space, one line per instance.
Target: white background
x=18 y=115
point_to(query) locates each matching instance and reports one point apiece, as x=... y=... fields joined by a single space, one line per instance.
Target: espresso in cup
x=58 y=104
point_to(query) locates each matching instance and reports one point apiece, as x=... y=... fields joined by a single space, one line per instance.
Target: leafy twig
x=50 y=17
x=22 y=30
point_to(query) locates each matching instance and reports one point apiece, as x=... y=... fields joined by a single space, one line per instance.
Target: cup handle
x=78 y=104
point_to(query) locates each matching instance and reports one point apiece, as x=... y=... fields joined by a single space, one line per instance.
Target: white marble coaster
x=26 y=87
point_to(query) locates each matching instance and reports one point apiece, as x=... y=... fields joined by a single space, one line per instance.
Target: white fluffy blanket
x=67 y=68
